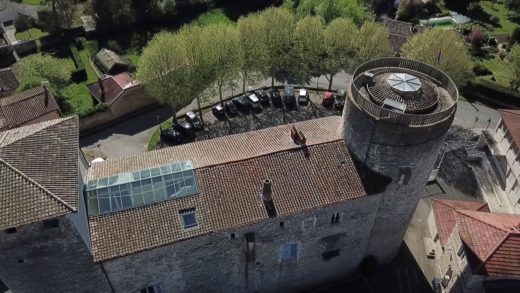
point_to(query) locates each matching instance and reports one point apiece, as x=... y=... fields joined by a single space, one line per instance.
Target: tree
x=279 y=41
x=311 y=48
x=113 y=13
x=22 y=23
x=37 y=69
x=252 y=30
x=444 y=49
x=340 y=39
x=373 y=42
x=477 y=38
x=512 y=5
x=514 y=59
x=58 y=13
x=329 y=10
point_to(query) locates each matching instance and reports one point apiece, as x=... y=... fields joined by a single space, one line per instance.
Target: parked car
x=289 y=98
x=171 y=136
x=328 y=99
x=339 y=102
x=194 y=120
x=183 y=127
x=218 y=111
x=276 y=97
x=230 y=108
x=303 y=97
x=264 y=97
x=241 y=103
x=253 y=100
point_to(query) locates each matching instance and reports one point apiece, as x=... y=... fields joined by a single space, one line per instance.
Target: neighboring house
x=504 y=146
x=110 y=62
x=476 y=251
x=7 y=52
x=8 y=16
x=400 y=32
x=121 y=94
x=281 y=209
x=28 y=107
x=8 y=82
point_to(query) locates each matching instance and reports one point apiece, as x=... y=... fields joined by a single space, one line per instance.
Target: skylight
x=143 y=187
x=404 y=82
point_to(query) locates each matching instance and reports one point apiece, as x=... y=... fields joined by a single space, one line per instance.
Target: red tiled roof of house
x=114 y=86
x=27 y=106
x=494 y=239
x=443 y=210
x=511 y=119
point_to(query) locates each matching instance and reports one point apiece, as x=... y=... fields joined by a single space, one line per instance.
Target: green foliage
x=36 y=69
x=513 y=5
x=310 y=44
x=22 y=23
x=212 y=17
x=373 y=42
x=514 y=59
x=455 y=60
x=76 y=99
x=515 y=38
x=329 y=10
x=481 y=70
x=114 y=13
x=485 y=88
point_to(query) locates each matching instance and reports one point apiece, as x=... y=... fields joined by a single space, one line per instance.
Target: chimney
x=102 y=90
x=268 y=199
x=303 y=139
x=46 y=92
x=294 y=135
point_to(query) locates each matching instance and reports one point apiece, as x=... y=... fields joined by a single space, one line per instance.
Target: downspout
x=106 y=276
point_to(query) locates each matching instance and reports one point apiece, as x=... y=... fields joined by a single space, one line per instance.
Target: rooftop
x=494 y=241
x=511 y=119
x=400 y=31
x=444 y=212
x=113 y=87
x=302 y=178
x=28 y=157
x=26 y=106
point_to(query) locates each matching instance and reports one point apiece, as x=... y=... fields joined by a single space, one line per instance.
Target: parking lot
x=268 y=115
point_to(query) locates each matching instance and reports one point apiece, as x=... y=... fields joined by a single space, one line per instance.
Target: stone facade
x=218 y=263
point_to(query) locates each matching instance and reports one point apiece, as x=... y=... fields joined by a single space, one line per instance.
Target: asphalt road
x=131 y=136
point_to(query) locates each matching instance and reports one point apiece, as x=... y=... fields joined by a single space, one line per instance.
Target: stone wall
x=218 y=263
x=39 y=259
x=133 y=100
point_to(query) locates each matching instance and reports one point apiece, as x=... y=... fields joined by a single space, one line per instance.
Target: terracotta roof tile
x=47 y=153
x=114 y=87
x=400 y=32
x=443 y=210
x=511 y=119
x=494 y=239
x=298 y=183
x=27 y=106
x=225 y=149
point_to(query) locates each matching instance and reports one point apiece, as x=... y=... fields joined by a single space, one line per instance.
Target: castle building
x=281 y=209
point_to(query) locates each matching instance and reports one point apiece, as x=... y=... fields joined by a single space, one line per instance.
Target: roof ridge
x=464 y=212
x=52 y=123
x=18 y=97
x=38 y=185
x=442 y=201
x=499 y=244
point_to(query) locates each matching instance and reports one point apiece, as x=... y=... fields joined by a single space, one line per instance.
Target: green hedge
x=481 y=88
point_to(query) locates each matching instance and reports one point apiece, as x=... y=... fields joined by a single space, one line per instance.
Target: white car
x=303 y=96
x=253 y=100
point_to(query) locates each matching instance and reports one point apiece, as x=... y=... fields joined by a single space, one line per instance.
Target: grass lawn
x=502 y=70
x=32 y=2
x=155 y=136
x=78 y=99
x=500 y=11
x=213 y=16
x=30 y=34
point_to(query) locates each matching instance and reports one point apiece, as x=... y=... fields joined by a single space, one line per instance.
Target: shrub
x=481 y=70
x=515 y=37
x=114 y=46
x=494 y=20
x=22 y=23
x=477 y=37
x=79 y=75
x=489 y=90
x=502 y=55
x=80 y=42
x=492 y=41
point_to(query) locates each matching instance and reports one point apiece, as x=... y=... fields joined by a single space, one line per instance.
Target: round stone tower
x=395 y=120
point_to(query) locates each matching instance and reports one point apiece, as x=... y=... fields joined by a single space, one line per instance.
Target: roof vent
x=268 y=199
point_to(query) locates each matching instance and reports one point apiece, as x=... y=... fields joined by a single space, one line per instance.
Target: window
x=289 y=251
x=189 y=219
x=309 y=223
x=52 y=223
x=461 y=253
x=336 y=218
x=11 y=231
x=282 y=224
x=151 y=289
x=233 y=235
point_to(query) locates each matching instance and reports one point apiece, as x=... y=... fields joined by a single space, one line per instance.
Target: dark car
x=241 y=103
x=339 y=102
x=253 y=100
x=303 y=96
x=264 y=97
x=218 y=111
x=289 y=97
x=194 y=120
x=184 y=128
x=171 y=136
x=230 y=108
x=328 y=99
x=341 y=93
x=276 y=97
